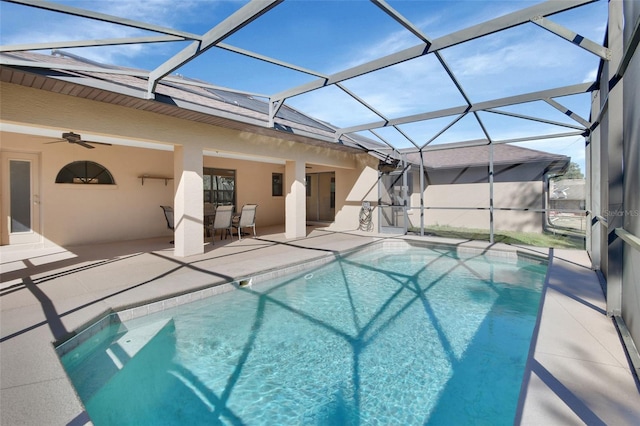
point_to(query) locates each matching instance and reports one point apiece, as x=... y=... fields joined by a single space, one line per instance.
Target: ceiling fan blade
x=74 y=138
x=84 y=144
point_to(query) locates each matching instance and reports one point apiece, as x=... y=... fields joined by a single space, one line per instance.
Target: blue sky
x=328 y=36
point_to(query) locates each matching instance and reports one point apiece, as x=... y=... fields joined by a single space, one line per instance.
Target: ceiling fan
x=77 y=139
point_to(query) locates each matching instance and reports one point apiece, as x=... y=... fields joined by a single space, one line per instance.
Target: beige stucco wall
x=253 y=186
x=352 y=188
x=74 y=214
x=506 y=195
x=21 y=105
x=77 y=214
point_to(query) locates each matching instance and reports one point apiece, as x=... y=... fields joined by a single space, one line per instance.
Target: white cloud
x=62 y=27
x=160 y=12
x=393 y=42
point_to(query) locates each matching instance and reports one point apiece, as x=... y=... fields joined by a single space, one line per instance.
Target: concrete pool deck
x=578 y=370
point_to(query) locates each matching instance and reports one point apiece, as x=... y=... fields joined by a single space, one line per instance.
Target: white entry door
x=20 y=198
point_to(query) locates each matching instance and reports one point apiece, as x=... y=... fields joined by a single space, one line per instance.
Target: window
x=307 y=184
x=219 y=186
x=82 y=172
x=276 y=184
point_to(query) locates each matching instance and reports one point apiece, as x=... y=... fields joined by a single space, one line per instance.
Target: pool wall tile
x=140 y=311
x=170 y=303
x=156 y=307
x=87 y=333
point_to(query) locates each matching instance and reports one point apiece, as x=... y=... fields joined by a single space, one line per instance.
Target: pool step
x=132 y=341
x=91 y=372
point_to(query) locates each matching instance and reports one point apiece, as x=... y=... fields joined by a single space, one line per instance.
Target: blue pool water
x=378 y=338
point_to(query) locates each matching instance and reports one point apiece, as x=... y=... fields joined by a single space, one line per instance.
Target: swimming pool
x=395 y=335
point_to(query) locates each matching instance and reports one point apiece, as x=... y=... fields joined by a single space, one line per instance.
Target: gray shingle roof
x=479 y=156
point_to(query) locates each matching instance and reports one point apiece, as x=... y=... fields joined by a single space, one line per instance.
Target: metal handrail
x=628 y=237
x=603 y=220
x=522 y=209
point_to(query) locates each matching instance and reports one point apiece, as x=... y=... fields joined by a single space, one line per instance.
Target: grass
x=508 y=237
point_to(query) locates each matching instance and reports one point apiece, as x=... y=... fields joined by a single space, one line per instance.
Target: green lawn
x=508 y=237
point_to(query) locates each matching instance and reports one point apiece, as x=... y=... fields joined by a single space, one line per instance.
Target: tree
x=573 y=172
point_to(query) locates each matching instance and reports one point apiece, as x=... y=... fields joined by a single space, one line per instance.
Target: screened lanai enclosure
x=516 y=123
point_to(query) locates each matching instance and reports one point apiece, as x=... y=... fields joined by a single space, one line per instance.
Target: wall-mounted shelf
x=165 y=178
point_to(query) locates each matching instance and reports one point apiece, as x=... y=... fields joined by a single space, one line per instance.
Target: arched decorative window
x=85 y=172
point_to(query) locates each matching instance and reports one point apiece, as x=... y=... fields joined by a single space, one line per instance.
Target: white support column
x=188 y=201
x=295 y=201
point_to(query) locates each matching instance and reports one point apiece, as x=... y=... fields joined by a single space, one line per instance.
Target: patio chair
x=168 y=215
x=247 y=219
x=208 y=214
x=222 y=221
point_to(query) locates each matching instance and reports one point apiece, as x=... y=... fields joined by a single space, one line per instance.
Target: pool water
x=418 y=336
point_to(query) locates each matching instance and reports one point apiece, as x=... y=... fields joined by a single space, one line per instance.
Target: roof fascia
x=134 y=73
x=283 y=131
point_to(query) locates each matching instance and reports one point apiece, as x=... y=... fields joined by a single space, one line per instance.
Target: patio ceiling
x=433 y=112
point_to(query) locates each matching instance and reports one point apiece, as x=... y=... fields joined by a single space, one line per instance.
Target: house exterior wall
x=76 y=214
x=253 y=186
x=353 y=187
x=520 y=195
x=27 y=106
x=80 y=214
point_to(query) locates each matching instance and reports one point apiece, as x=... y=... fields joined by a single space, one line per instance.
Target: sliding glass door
x=321 y=197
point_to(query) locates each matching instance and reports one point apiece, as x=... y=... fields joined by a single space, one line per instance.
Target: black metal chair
x=168 y=215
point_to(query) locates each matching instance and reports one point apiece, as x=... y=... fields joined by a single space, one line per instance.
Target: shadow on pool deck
x=47 y=294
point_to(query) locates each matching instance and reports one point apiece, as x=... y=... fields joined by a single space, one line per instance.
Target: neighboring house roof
x=478 y=156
